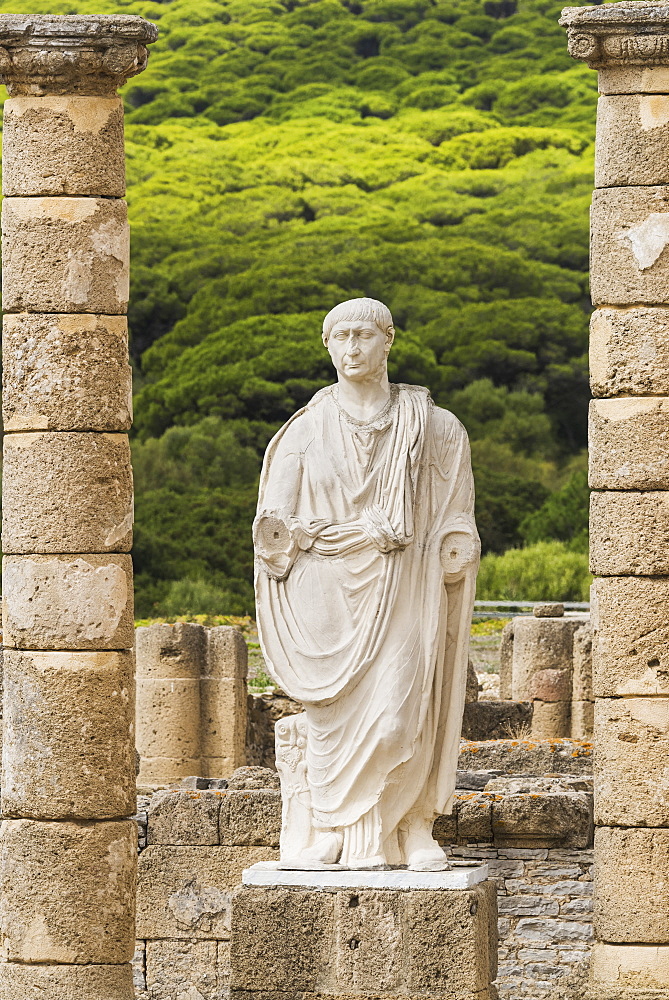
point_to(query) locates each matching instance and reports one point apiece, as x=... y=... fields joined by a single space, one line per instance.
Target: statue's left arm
x=460 y=547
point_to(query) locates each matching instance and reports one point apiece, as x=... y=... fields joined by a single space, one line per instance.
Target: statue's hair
x=359 y=309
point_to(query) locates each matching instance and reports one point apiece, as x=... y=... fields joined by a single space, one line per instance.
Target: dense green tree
x=286 y=154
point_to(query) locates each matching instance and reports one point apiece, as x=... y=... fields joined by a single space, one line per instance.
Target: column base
x=297 y=942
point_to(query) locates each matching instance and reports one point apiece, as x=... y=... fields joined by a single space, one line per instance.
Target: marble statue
x=366 y=559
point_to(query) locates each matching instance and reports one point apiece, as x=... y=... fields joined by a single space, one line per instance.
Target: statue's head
x=358 y=334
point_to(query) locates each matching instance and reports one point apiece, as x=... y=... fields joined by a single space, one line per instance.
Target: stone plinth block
x=551 y=719
x=72 y=54
x=629 y=533
x=632 y=966
x=632 y=139
x=541 y=645
x=68 y=747
x=632 y=740
x=632 y=885
x=223 y=725
x=66 y=492
x=63 y=145
x=165 y=651
x=186 y=894
x=68 y=602
x=350 y=942
x=65 y=255
x=65 y=982
x=629 y=237
x=227 y=655
x=629 y=443
x=66 y=373
x=67 y=891
x=168 y=718
x=630 y=650
x=629 y=351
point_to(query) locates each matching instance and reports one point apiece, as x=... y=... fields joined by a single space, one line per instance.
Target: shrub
x=547 y=571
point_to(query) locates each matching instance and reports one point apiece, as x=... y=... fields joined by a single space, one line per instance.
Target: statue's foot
x=427 y=860
x=322 y=855
x=421 y=851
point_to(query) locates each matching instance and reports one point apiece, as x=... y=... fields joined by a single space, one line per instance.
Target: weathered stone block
x=623 y=78
x=168 y=718
x=474 y=817
x=66 y=492
x=82 y=913
x=548 y=819
x=640 y=966
x=541 y=644
x=582 y=720
x=67 y=602
x=632 y=886
x=63 y=145
x=223 y=723
x=156 y=772
x=66 y=373
x=582 y=676
x=628 y=443
x=629 y=255
x=65 y=982
x=629 y=351
x=494 y=720
x=551 y=719
x=65 y=255
x=632 y=740
x=177 y=650
x=184 y=818
x=251 y=817
x=629 y=533
x=67 y=735
x=527 y=757
x=451 y=939
x=632 y=139
x=227 y=654
x=409 y=943
x=506 y=662
x=551 y=685
x=186 y=894
x=630 y=651
x=183 y=969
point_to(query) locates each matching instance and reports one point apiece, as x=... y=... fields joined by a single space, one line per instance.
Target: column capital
x=632 y=33
x=72 y=54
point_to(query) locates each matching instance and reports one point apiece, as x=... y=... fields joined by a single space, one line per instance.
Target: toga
x=355 y=618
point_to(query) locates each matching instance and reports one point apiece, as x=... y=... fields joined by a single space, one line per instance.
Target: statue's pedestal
x=384 y=934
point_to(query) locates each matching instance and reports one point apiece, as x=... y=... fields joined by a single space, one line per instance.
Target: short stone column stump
x=382 y=934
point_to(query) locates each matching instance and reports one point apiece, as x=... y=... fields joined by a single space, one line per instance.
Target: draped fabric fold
x=357 y=617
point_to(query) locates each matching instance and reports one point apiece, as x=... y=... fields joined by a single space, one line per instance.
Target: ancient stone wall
x=534 y=831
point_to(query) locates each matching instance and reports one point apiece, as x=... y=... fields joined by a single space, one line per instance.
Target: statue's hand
x=460 y=551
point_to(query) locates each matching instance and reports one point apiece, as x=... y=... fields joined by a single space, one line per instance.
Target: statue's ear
x=390 y=336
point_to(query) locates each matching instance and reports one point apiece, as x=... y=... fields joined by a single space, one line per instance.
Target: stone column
x=629 y=472
x=67 y=844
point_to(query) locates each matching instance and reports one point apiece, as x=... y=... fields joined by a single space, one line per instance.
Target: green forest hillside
x=286 y=154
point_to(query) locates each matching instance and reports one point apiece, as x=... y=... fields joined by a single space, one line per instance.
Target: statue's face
x=358 y=349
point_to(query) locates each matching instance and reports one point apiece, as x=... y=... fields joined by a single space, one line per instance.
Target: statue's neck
x=363 y=400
